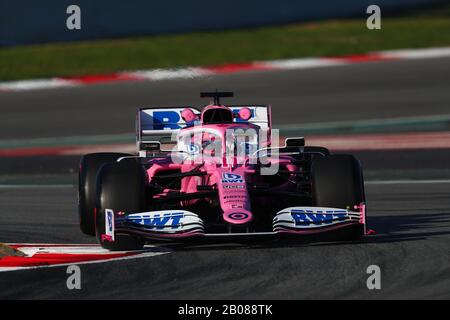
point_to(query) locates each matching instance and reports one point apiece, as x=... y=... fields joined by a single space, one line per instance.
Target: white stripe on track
x=35 y=186
x=418 y=53
x=193 y=72
x=23 y=85
x=407 y=181
x=301 y=63
x=138 y=256
x=166 y=74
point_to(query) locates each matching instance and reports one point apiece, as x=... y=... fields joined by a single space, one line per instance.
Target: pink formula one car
x=218 y=173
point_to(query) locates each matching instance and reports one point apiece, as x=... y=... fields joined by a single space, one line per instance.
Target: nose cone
x=237 y=216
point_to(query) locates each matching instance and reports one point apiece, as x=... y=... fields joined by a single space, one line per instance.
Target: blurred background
x=35 y=41
x=72 y=78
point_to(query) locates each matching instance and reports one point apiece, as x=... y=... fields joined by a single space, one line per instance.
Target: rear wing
x=156 y=125
x=261 y=115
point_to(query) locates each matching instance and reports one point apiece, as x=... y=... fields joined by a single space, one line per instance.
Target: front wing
x=182 y=224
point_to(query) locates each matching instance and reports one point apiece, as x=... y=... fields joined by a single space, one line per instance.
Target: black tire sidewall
x=89 y=166
x=121 y=186
x=337 y=181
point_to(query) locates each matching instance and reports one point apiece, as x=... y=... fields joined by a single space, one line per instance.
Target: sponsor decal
x=236 y=200
x=157 y=221
x=105 y=237
x=233 y=201
x=238 y=216
x=308 y=217
x=109 y=226
x=233 y=186
x=172 y=119
x=232 y=178
x=166 y=119
x=193 y=149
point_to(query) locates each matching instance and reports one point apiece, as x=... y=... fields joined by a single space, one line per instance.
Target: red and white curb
x=350 y=142
x=54 y=255
x=195 y=72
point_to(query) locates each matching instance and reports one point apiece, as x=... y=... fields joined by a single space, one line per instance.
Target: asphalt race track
x=412 y=218
x=364 y=91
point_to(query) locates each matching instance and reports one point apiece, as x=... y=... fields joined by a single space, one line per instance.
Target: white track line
x=430 y=181
x=418 y=53
x=148 y=251
x=34 y=84
x=35 y=186
x=138 y=256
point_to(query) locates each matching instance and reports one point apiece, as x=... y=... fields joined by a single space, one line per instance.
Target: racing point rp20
x=218 y=173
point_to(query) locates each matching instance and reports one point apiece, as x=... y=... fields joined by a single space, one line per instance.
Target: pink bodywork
x=229 y=176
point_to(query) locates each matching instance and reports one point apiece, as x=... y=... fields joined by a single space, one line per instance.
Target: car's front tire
x=337 y=182
x=89 y=166
x=121 y=187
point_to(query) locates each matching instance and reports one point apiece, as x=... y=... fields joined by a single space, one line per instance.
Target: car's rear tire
x=337 y=182
x=89 y=166
x=121 y=187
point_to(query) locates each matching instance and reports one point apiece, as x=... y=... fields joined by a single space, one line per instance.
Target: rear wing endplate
x=156 y=125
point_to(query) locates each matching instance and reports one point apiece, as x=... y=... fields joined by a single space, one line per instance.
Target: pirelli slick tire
x=89 y=166
x=121 y=187
x=337 y=182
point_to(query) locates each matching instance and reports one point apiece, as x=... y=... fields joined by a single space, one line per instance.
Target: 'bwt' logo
x=110 y=217
x=158 y=221
x=308 y=217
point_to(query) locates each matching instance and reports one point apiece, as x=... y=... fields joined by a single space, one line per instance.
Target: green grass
x=414 y=30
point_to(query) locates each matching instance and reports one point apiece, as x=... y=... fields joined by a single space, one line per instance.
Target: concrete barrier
x=31 y=21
